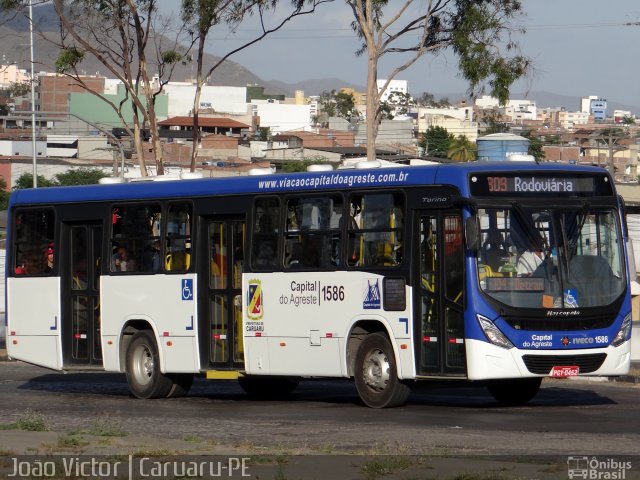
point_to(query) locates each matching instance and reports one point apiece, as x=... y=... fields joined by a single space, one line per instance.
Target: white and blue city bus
x=503 y=273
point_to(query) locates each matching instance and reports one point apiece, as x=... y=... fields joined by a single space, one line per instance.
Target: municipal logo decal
x=371 y=293
x=255 y=308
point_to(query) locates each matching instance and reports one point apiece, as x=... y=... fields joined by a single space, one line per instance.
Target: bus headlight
x=623 y=333
x=493 y=333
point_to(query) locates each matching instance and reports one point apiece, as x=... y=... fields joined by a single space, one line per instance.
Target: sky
x=578 y=48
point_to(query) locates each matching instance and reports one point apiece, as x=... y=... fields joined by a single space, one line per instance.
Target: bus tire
x=376 y=374
x=143 y=368
x=268 y=386
x=181 y=384
x=517 y=391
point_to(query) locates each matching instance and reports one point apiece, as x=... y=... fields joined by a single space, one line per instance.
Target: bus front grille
x=542 y=364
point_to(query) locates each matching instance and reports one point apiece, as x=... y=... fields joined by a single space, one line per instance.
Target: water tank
x=502 y=147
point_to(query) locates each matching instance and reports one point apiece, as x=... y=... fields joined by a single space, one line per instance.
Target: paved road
x=567 y=418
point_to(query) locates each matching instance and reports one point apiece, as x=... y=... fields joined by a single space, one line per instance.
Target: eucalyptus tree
x=126 y=37
x=478 y=32
x=201 y=16
x=121 y=35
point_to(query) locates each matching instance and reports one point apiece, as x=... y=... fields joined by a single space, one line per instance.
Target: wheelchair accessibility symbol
x=187 y=289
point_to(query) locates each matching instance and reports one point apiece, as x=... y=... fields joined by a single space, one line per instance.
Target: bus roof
x=400 y=176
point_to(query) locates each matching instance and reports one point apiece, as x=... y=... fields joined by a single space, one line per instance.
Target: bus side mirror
x=472 y=234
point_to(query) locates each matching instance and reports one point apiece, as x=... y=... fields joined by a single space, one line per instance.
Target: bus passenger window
x=375 y=230
x=135 y=236
x=34 y=251
x=178 y=238
x=312 y=238
x=264 y=250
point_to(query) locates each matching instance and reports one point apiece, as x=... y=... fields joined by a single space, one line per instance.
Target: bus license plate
x=564 y=372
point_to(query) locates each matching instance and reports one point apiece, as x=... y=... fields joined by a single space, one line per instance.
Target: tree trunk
x=196 y=102
x=373 y=104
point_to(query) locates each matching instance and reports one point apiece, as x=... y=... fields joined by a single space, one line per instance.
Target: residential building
x=227 y=100
x=568 y=120
x=279 y=117
x=457 y=121
x=596 y=106
x=12 y=74
x=55 y=91
x=395 y=86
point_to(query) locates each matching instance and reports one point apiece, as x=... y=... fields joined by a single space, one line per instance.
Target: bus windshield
x=552 y=258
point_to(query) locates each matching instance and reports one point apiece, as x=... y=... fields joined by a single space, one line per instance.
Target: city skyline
x=576 y=47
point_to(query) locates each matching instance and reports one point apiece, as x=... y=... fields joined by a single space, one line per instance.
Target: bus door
x=439 y=294
x=221 y=283
x=80 y=277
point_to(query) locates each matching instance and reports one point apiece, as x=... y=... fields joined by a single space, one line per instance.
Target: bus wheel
x=143 y=368
x=181 y=384
x=268 y=386
x=376 y=374
x=517 y=391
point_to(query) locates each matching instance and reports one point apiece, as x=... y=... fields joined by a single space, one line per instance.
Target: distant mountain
x=14 y=35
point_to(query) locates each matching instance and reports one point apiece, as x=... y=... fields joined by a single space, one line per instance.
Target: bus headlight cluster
x=623 y=333
x=493 y=333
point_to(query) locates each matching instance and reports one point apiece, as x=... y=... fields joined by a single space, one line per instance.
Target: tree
x=473 y=29
x=435 y=142
x=4 y=195
x=118 y=33
x=535 y=146
x=461 y=149
x=202 y=15
x=80 y=176
x=491 y=121
x=26 y=181
x=610 y=138
x=19 y=89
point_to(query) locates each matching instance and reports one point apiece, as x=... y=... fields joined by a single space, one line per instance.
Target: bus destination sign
x=518 y=184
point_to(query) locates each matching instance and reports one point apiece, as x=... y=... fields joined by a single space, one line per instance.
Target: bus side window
x=178 y=238
x=135 y=236
x=264 y=251
x=312 y=239
x=375 y=231
x=33 y=241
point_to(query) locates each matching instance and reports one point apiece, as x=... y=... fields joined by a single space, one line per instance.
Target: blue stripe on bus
x=449 y=174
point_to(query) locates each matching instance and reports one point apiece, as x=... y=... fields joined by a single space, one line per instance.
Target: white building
x=12 y=74
x=569 y=119
x=487 y=101
x=395 y=86
x=227 y=100
x=279 y=117
x=457 y=121
x=21 y=148
x=518 y=110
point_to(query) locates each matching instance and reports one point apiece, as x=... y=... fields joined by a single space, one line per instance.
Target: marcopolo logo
x=594 y=468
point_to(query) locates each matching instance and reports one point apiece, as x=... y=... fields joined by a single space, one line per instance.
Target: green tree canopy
x=77 y=176
x=461 y=149
x=435 y=142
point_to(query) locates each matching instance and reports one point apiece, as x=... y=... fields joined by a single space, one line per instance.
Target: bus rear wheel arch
x=376 y=373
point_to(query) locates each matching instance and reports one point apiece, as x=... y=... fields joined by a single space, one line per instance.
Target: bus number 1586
x=332 y=293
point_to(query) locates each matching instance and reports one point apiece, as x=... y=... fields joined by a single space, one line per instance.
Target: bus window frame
x=402 y=194
x=284 y=205
x=110 y=239
x=11 y=263
x=277 y=266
